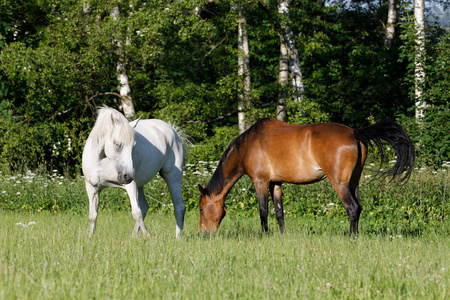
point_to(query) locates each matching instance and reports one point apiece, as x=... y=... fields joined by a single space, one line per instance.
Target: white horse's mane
x=108 y=118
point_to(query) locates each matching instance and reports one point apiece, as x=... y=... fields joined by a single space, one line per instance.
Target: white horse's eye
x=118 y=145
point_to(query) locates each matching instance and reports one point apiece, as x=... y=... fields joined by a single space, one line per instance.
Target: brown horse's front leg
x=263 y=198
x=275 y=191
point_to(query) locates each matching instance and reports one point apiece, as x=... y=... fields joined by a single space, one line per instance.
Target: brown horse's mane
x=216 y=182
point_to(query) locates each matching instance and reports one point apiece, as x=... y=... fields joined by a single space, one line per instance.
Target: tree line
x=213 y=67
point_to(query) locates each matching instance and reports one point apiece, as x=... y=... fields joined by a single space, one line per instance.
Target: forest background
x=61 y=59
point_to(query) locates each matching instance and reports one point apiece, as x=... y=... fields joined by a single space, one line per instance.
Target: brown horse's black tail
x=389 y=132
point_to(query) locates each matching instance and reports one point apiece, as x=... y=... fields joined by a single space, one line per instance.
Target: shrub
x=211 y=149
x=50 y=146
x=431 y=136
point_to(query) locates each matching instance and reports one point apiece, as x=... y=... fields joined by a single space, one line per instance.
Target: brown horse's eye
x=201 y=210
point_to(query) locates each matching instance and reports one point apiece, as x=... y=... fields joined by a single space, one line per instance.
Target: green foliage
x=45 y=146
x=213 y=148
x=191 y=104
x=306 y=112
x=347 y=71
x=432 y=136
x=438 y=72
x=58 y=63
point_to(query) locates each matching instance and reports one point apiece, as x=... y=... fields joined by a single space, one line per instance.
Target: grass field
x=53 y=257
x=401 y=253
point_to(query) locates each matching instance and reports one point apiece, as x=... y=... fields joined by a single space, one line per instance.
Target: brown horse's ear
x=202 y=189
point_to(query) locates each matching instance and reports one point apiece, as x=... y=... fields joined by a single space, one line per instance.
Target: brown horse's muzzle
x=212 y=211
x=206 y=232
x=208 y=228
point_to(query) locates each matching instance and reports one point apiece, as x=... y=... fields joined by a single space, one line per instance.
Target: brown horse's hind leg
x=354 y=210
x=263 y=198
x=346 y=181
x=348 y=197
x=275 y=191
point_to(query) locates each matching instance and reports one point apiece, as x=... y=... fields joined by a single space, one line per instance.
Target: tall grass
x=45 y=255
x=387 y=207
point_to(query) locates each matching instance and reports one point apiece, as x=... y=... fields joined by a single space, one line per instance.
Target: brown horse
x=272 y=152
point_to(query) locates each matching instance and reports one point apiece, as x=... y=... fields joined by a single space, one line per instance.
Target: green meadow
x=55 y=258
x=402 y=251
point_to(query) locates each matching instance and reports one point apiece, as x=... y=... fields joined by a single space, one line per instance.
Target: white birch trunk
x=244 y=70
x=283 y=82
x=124 y=84
x=419 y=71
x=289 y=41
x=393 y=6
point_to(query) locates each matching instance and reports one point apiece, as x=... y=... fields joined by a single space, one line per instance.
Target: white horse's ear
x=114 y=120
x=136 y=122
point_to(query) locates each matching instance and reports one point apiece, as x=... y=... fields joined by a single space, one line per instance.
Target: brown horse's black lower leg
x=262 y=193
x=354 y=210
x=263 y=214
x=275 y=191
x=349 y=197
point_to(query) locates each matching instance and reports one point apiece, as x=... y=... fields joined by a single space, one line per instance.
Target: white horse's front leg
x=94 y=196
x=136 y=211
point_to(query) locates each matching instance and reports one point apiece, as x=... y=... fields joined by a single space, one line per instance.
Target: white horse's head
x=117 y=137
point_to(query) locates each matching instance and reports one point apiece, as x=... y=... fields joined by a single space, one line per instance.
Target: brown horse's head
x=212 y=210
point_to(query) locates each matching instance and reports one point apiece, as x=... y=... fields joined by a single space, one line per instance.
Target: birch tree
x=419 y=71
x=288 y=39
x=124 y=84
x=289 y=59
x=393 y=6
x=244 y=69
x=283 y=82
x=289 y=62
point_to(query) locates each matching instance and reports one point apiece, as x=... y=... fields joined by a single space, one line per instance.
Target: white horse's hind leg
x=136 y=211
x=178 y=204
x=94 y=196
x=143 y=205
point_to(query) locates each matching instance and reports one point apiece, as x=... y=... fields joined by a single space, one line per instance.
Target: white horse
x=127 y=155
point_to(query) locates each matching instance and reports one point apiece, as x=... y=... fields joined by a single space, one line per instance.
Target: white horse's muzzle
x=125 y=178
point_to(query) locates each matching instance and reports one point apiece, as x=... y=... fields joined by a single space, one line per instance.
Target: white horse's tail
x=186 y=140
